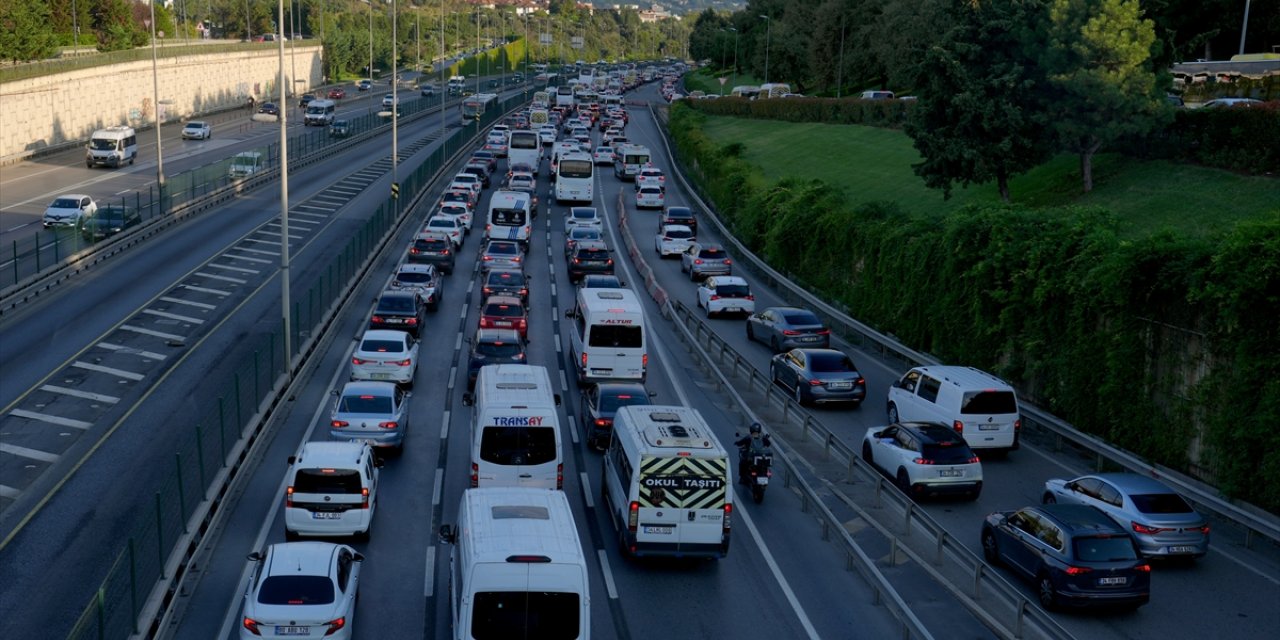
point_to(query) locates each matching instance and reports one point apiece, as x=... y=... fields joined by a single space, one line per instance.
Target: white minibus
x=515 y=428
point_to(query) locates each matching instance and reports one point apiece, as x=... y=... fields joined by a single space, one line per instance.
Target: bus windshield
x=575 y=169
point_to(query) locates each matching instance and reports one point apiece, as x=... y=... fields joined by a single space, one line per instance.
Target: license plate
x=732 y=310
x=326 y=515
x=659 y=531
x=810 y=339
x=839 y=385
x=1182 y=549
x=393 y=321
x=601 y=372
x=988 y=427
x=381 y=376
x=293 y=631
x=762 y=479
x=950 y=473
x=502 y=324
x=1108 y=581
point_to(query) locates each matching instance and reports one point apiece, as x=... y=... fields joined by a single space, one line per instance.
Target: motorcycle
x=755 y=469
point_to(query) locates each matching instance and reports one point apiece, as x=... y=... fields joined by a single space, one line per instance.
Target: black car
x=340 y=129
x=428 y=91
x=819 y=376
x=107 y=221
x=400 y=310
x=493 y=346
x=678 y=215
x=433 y=248
x=269 y=108
x=589 y=256
x=1076 y=555
x=506 y=282
x=601 y=402
x=306 y=100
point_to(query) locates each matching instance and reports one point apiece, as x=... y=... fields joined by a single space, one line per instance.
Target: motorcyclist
x=749 y=446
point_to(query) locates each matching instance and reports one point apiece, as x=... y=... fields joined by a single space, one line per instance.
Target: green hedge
x=1165 y=346
x=876 y=113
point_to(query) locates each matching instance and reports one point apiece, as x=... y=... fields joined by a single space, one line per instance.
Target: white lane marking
x=430 y=582
x=270 y=242
x=444 y=426
x=149 y=332
x=214 y=276
x=260 y=251
x=557 y=340
x=99 y=397
x=231 y=268
x=1244 y=564
x=173 y=316
x=145 y=354
x=608 y=574
x=586 y=490
x=122 y=192
x=233 y=608
x=119 y=373
x=232 y=256
x=453 y=375
x=564 y=383
x=44 y=417
x=216 y=292
x=439 y=488
x=457 y=342
x=773 y=567
x=573 y=432
x=30 y=454
x=198 y=305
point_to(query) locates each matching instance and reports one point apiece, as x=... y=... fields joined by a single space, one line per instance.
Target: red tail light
x=411 y=321
x=577 y=261
x=715 y=297
x=485 y=323
x=728 y=511
x=923 y=461
x=377 y=319
x=487 y=291
x=823 y=332
x=335 y=625
x=413 y=250
x=403 y=363
x=1204 y=529
x=288 y=497
x=355 y=360
x=252 y=626
x=524 y=324
x=338 y=424
x=1017 y=425
x=475 y=475
x=790 y=332
x=815 y=383
x=728 y=261
x=388 y=425
x=1143 y=568
x=862 y=381
x=697 y=261
x=524 y=292
x=1075 y=571
x=973 y=460
x=751 y=297
x=633 y=516
x=584 y=360
x=364 y=498
x=604 y=422
x=560 y=476
x=958 y=426
x=1142 y=528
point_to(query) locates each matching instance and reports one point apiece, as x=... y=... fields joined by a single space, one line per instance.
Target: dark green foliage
x=26 y=32
x=1153 y=344
x=875 y=113
x=1245 y=139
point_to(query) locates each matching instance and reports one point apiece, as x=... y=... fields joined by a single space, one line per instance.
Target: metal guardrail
x=1252 y=520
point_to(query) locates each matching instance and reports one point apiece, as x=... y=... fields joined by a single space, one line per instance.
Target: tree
x=975 y=119
x=115 y=27
x=1098 y=57
x=26 y=31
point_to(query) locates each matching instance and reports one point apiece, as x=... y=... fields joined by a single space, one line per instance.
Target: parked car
x=704 y=259
x=197 y=130
x=788 y=328
x=307 y=589
x=504 y=312
x=108 y=220
x=385 y=355
x=422 y=279
x=433 y=248
x=718 y=295
x=924 y=458
x=402 y=310
x=819 y=376
x=1075 y=554
x=600 y=403
x=1162 y=522
x=493 y=346
x=376 y=412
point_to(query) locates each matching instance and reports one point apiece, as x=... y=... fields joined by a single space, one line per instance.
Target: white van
x=245 y=164
x=978 y=405
x=629 y=159
x=112 y=146
x=667 y=487
x=332 y=490
x=515 y=428
x=319 y=113
x=524 y=147
x=517 y=569
x=774 y=89
x=608 y=338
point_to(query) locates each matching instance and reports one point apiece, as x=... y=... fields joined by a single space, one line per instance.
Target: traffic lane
x=1009 y=483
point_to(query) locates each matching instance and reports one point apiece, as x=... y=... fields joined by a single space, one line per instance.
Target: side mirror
x=256 y=556
x=358 y=557
x=653 y=394
x=878 y=434
x=468 y=399
x=377 y=462
x=897 y=384
x=293 y=459
x=568 y=313
x=737 y=435
x=334 y=392
x=447 y=534
x=557 y=397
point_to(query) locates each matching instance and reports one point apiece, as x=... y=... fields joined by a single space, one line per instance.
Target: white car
x=726 y=294
x=302 y=589
x=924 y=458
x=547 y=135
x=387 y=355
x=449 y=226
x=197 y=130
x=469 y=181
x=611 y=135
x=389 y=100
x=66 y=210
x=651 y=177
x=602 y=155
x=673 y=240
x=582 y=217
x=650 y=197
x=458 y=211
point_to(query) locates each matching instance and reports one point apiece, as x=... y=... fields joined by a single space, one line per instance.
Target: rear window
x=801 y=318
x=518 y=445
x=327 y=481
x=396 y=303
x=593 y=254
x=713 y=254
x=296 y=590
x=610 y=335
x=830 y=362
x=503 y=249
x=611 y=403
x=503 y=310
x=365 y=404
x=989 y=402
x=1160 y=503
x=435 y=244
x=413 y=276
x=733 y=290
x=382 y=346
x=505 y=615
x=498 y=349
x=505 y=278
x=947 y=452
x=678 y=234
x=1104 y=548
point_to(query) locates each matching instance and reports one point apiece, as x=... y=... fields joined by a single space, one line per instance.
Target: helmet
x=756 y=429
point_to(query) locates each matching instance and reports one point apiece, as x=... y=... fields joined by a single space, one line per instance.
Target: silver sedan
x=1160 y=520
x=375 y=412
x=785 y=328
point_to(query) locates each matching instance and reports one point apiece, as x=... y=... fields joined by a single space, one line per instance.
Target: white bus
x=474 y=107
x=575 y=178
x=541 y=100
x=564 y=96
x=524 y=147
x=510 y=216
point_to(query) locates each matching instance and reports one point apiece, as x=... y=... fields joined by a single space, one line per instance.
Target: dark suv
x=678 y=215
x=400 y=310
x=433 y=248
x=1075 y=554
x=589 y=256
x=506 y=282
x=107 y=221
x=493 y=346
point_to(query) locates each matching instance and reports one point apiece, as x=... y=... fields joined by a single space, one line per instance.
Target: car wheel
x=893 y=413
x=751 y=333
x=903 y=481
x=866 y=454
x=1048 y=599
x=989 y=549
x=1048 y=498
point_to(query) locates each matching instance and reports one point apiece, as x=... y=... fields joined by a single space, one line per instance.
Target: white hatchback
x=582 y=217
x=302 y=589
x=673 y=240
x=650 y=197
x=726 y=294
x=387 y=355
x=447 y=225
x=924 y=458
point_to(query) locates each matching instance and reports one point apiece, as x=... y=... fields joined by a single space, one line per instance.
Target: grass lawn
x=704 y=80
x=875 y=164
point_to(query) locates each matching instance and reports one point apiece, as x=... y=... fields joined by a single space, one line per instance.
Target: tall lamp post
x=155 y=98
x=840 y=65
x=1244 y=28
x=768 y=30
x=735 y=55
x=395 y=108
x=284 y=205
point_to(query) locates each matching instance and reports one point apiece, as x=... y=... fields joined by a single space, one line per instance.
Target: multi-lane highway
x=779 y=580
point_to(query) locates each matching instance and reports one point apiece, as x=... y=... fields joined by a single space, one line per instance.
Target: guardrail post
x=906 y=519
x=942 y=541
x=1022 y=614
x=15 y=262
x=977 y=581
x=848 y=476
x=222 y=427
x=893 y=551
x=102 y=618
x=239 y=414
x=160 y=535
x=200 y=454
x=182 y=493
x=133 y=584
x=56 y=242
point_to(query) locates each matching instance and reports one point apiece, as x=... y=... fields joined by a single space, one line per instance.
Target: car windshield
x=108 y=216
x=989 y=402
x=503 y=311
x=413 y=277
x=801 y=318
x=102 y=144
x=296 y=590
x=830 y=362
x=498 y=349
x=1160 y=503
x=1104 y=548
x=365 y=403
x=195 y=125
x=504 y=279
x=442 y=223
x=396 y=303
x=327 y=481
x=518 y=445
x=713 y=254
x=435 y=244
x=593 y=254
x=584 y=233
x=65 y=203
x=375 y=345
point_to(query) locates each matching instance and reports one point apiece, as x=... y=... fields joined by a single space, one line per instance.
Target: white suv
x=726 y=294
x=332 y=490
x=924 y=458
x=302 y=589
x=974 y=403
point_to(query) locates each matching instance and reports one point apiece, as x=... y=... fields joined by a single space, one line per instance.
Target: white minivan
x=113 y=147
x=607 y=339
x=517 y=569
x=976 y=404
x=332 y=490
x=515 y=428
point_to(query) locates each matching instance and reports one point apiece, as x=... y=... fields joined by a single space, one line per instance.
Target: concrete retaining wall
x=50 y=112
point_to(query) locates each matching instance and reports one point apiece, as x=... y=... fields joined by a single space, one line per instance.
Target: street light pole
x=735 y=55
x=155 y=97
x=1244 y=28
x=285 y=304
x=370 y=46
x=768 y=30
x=395 y=106
x=840 y=65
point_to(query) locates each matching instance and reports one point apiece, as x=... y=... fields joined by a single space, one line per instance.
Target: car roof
x=615 y=388
x=679 y=211
x=307 y=558
x=368 y=388
x=1132 y=483
x=719 y=280
x=591 y=244
x=394 y=293
x=71 y=195
x=1081 y=518
x=676 y=227
x=431 y=235
x=932 y=431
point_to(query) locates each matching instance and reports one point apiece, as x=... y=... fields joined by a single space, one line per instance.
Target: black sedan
x=400 y=310
x=601 y=402
x=269 y=108
x=107 y=221
x=493 y=346
x=788 y=328
x=818 y=376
